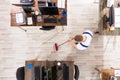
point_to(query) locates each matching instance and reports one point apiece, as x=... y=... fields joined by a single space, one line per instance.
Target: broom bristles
x=56 y=47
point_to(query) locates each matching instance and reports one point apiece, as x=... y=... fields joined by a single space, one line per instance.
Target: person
x=82 y=41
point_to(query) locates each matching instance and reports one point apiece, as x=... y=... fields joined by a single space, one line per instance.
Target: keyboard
x=65 y=72
x=41 y=4
x=37 y=73
x=50 y=20
x=54 y=73
x=26 y=2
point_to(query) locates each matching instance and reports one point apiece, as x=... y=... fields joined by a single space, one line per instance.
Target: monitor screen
x=37 y=73
x=65 y=72
x=49 y=10
x=52 y=4
x=111 y=15
x=54 y=73
x=27 y=9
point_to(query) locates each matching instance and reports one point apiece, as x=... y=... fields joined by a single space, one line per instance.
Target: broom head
x=56 y=47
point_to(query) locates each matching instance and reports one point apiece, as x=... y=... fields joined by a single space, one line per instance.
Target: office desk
x=117 y=17
x=29 y=73
x=107 y=73
x=36 y=22
x=103 y=26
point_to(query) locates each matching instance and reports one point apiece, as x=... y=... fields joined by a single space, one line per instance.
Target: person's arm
x=73 y=43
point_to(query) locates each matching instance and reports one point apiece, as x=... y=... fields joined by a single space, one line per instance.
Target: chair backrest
x=76 y=75
x=27 y=9
x=20 y=73
x=27 y=2
x=65 y=72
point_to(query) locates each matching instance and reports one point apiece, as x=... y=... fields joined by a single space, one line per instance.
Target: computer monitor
x=49 y=10
x=65 y=72
x=54 y=73
x=43 y=72
x=51 y=4
x=37 y=72
x=111 y=16
x=27 y=2
x=27 y=9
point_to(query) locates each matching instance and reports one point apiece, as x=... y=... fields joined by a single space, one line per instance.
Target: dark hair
x=78 y=38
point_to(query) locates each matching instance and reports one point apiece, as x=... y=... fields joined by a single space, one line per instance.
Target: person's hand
x=71 y=39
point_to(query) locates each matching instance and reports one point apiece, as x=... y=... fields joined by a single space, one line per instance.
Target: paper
x=117 y=17
x=29 y=21
x=110 y=3
x=61 y=3
x=39 y=18
x=117 y=11
x=19 y=18
x=113 y=78
x=116 y=72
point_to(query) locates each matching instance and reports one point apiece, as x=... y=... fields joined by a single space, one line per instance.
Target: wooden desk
x=107 y=73
x=29 y=73
x=35 y=7
x=103 y=26
x=117 y=17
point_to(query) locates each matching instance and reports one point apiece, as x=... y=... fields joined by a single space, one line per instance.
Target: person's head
x=78 y=38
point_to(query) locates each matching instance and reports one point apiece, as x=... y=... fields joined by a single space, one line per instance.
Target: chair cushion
x=76 y=75
x=20 y=74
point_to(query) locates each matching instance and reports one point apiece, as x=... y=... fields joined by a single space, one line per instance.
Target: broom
x=57 y=46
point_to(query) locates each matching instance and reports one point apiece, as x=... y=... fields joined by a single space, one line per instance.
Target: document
x=39 y=18
x=110 y=3
x=29 y=21
x=117 y=11
x=61 y=3
x=116 y=72
x=117 y=17
x=19 y=18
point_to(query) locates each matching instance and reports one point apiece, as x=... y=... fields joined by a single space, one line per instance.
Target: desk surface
x=16 y=9
x=117 y=17
x=107 y=73
x=29 y=73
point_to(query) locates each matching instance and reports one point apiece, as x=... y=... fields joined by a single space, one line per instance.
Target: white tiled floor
x=16 y=45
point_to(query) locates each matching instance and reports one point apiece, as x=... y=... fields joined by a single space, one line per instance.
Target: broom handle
x=66 y=42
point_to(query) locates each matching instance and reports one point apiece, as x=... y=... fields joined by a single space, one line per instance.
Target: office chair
x=51 y=4
x=20 y=73
x=65 y=72
x=27 y=9
x=119 y=4
x=76 y=75
x=27 y=2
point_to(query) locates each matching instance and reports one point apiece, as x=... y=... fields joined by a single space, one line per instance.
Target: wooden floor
x=16 y=46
